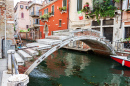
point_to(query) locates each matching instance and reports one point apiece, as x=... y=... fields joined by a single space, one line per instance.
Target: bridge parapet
x=86 y=32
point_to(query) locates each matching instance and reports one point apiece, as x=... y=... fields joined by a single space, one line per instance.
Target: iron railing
x=14 y=66
x=121 y=46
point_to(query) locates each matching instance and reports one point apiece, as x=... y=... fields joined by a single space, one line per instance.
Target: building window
x=46 y=11
x=36 y=21
x=27 y=7
x=52 y=10
x=27 y=26
x=64 y=3
x=60 y=21
x=128 y=4
x=21 y=6
x=79 y=5
x=97 y=2
x=95 y=23
x=108 y=22
x=22 y=15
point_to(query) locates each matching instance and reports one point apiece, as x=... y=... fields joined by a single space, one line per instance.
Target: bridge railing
x=61 y=32
x=12 y=67
x=122 y=46
x=86 y=32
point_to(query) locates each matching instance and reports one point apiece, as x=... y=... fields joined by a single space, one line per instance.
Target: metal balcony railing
x=34 y=13
x=2 y=2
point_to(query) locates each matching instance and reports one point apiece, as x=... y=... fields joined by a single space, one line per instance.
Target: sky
x=15 y=1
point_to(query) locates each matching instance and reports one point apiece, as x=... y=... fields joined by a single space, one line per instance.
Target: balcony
x=35 y=2
x=34 y=14
x=2 y=2
x=36 y=23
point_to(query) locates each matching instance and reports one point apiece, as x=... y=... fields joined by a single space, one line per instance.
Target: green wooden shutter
x=53 y=10
x=64 y=3
x=79 y=5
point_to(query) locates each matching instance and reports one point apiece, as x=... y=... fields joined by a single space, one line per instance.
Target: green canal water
x=72 y=68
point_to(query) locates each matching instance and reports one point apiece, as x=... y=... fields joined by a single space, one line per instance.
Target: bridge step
x=49 y=41
x=40 y=46
x=31 y=52
x=58 y=37
x=18 y=59
x=25 y=55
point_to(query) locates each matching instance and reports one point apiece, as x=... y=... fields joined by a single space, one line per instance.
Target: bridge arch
x=90 y=37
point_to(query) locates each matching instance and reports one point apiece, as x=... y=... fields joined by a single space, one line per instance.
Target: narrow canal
x=72 y=68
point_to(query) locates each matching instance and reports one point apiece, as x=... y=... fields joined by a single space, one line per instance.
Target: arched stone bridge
x=45 y=47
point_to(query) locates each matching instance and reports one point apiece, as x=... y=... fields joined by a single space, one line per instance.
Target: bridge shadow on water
x=74 y=68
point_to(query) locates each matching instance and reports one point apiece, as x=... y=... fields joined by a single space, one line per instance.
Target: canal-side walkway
x=3 y=72
x=3 y=67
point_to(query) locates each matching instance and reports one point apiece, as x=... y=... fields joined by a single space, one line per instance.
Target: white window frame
x=54 y=8
x=46 y=11
x=59 y=23
x=128 y=7
x=66 y=3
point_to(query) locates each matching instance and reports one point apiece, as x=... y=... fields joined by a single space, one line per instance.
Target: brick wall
x=9 y=26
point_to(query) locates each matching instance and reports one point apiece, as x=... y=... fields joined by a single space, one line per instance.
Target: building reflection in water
x=62 y=63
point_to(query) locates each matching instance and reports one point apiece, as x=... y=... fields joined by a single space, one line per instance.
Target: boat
x=124 y=60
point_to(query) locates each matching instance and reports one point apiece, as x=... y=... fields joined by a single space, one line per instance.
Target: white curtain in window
x=125 y=4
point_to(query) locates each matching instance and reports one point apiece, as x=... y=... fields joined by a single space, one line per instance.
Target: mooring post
x=18 y=80
x=9 y=60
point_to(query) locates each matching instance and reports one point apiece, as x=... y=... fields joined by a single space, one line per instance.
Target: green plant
x=60 y=8
x=128 y=10
x=50 y=13
x=64 y=8
x=14 y=28
x=117 y=1
x=45 y=16
x=28 y=29
x=24 y=31
x=100 y=9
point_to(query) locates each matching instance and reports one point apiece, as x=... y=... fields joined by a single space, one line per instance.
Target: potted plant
x=60 y=8
x=41 y=17
x=64 y=8
x=45 y=16
x=50 y=13
x=128 y=10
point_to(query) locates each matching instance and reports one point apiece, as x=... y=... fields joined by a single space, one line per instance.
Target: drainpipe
x=121 y=15
x=68 y=14
x=5 y=30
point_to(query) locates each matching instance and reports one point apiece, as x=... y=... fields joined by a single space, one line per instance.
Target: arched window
x=22 y=15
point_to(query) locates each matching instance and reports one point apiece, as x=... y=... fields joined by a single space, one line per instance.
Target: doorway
x=46 y=31
x=108 y=33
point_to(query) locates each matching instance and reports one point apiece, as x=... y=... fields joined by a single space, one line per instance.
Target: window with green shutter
x=53 y=10
x=46 y=11
x=79 y=5
x=64 y=3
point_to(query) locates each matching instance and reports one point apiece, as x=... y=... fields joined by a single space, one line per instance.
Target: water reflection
x=70 y=68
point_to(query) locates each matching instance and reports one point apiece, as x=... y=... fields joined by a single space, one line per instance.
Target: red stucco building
x=54 y=16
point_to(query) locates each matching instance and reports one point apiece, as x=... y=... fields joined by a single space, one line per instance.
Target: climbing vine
x=100 y=9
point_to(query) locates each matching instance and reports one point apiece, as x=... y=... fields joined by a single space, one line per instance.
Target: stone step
x=48 y=41
x=58 y=37
x=24 y=55
x=39 y=46
x=31 y=52
x=19 y=60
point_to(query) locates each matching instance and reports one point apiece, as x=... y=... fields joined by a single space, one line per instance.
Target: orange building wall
x=53 y=22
